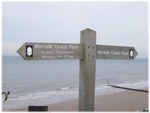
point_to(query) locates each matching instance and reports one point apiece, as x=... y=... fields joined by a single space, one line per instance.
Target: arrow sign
x=115 y=52
x=47 y=51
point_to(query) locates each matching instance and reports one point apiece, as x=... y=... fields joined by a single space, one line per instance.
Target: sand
x=122 y=101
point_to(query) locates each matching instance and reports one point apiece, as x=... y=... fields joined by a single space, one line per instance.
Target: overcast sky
x=116 y=23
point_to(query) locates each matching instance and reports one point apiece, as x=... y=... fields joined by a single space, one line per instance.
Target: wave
x=69 y=91
x=136 y=84
x=64 y=88
x=44 y=94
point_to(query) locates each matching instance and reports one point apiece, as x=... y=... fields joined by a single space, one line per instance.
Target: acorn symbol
x=131 y=53
x=29 y=51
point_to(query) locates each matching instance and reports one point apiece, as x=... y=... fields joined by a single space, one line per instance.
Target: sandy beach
x=122 y=101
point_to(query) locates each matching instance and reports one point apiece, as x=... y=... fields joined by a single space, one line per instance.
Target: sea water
x=42 y=82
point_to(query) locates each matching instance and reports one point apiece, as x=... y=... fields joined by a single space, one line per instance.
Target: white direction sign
x=115 y=52
x=47 y=51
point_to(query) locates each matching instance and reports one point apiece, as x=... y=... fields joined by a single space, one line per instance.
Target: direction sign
x=47 y=51
x=115 y=52
x=87 y=51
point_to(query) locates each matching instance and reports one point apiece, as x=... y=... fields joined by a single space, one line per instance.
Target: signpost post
x=87 y=51
x=87 y=71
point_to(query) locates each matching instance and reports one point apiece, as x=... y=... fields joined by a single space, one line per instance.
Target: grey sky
x=116 y=23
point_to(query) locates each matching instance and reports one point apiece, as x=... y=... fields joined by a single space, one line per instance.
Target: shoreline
x=121 y=101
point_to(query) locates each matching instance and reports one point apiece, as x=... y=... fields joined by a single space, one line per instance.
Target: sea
x=43 y=82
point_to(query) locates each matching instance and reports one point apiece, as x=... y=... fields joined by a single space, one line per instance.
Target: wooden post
x=87 y=70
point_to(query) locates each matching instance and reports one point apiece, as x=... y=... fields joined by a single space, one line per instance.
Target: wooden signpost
x=87 y=51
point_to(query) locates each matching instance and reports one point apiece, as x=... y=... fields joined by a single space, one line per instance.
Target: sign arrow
x=115 y=52
x=48 y=51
